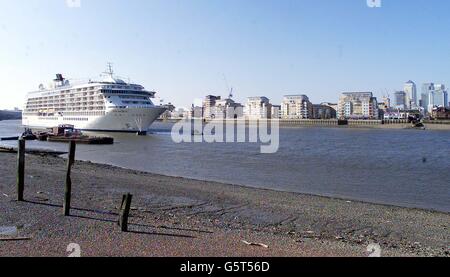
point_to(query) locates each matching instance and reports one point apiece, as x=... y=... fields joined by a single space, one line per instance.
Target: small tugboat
x=416 y=123
x=28 y=135
x=42 y=136
x=67 y=133
x=419 y=125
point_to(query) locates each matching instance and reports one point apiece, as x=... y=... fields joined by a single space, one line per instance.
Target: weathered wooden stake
x=20 y=169
x=124 y=212
x=123 y=202
x=68 y=190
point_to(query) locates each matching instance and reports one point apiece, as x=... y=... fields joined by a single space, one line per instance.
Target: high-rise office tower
x=440 y=97
x=427 y=89
x=401 y=100
x=411 y=95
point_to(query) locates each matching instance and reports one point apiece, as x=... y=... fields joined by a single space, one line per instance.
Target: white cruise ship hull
x=114 y=120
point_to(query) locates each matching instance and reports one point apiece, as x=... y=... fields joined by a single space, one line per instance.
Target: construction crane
x=230 y=89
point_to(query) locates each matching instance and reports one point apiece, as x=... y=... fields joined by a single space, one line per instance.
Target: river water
x=407 y=168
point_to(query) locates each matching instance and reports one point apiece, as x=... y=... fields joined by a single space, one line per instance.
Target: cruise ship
x=107 y=105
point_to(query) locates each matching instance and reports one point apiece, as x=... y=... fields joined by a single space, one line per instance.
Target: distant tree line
x=10 y=115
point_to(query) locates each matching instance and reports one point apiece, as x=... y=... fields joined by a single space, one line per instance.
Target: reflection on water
x=401 y=167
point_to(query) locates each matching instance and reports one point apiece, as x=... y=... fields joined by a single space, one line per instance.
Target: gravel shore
x=182 y=217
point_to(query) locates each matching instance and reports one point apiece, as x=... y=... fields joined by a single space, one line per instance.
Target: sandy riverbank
x=183 y=217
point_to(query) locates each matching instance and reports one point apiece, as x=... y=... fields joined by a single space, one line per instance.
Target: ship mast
x=109 y=70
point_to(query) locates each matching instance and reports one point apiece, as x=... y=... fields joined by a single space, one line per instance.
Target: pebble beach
x=182 y=217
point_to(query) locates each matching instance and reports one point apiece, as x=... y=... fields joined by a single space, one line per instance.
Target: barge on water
x=67 y=133
x=9 y=138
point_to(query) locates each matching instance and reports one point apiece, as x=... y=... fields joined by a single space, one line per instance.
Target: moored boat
x=28 y=135
x=9 y=138
x=82 y=139
x=67 y=133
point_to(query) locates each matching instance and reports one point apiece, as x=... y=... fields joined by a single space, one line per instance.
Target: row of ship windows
x=67 y=105
x=91 y=94
x=81 y=104
x=108 y=91
x=75 y=118
x=83 y=99
x=112 y=87
x=65 y=96
x=124 y=107
x=93 y=113
x=109 y=87
x=48 y=118
x=137 y=102
x=63 y=106
x=93 y=88
x=84 y=113
x=69 y=109
x=64 y=100
x=69 y=113
x=64 y=118
x=132 y=97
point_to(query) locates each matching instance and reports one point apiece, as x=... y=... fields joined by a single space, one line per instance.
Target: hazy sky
x=186 y=49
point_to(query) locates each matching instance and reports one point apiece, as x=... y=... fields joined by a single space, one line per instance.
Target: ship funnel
x=59 y=77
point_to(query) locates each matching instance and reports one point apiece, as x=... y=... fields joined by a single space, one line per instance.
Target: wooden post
x=123 y=202
x=124 y=212
x=20 y=169
x=68 y=189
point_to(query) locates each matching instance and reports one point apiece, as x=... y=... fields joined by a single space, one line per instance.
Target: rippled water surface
x=401 y=167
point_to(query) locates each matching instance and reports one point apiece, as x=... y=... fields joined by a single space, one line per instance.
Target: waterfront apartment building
x=323 y=111
x=427 y=89
x=357 y=105
x=227 y=109
x=434 y=95
x=180 y=113
x=296 y=107
x=196 y=112
x=441 y=113
x=276 y=112
x=209 y=104
x=440 y=96
x=410 y=90
x=334 y=106
x=258 y=107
